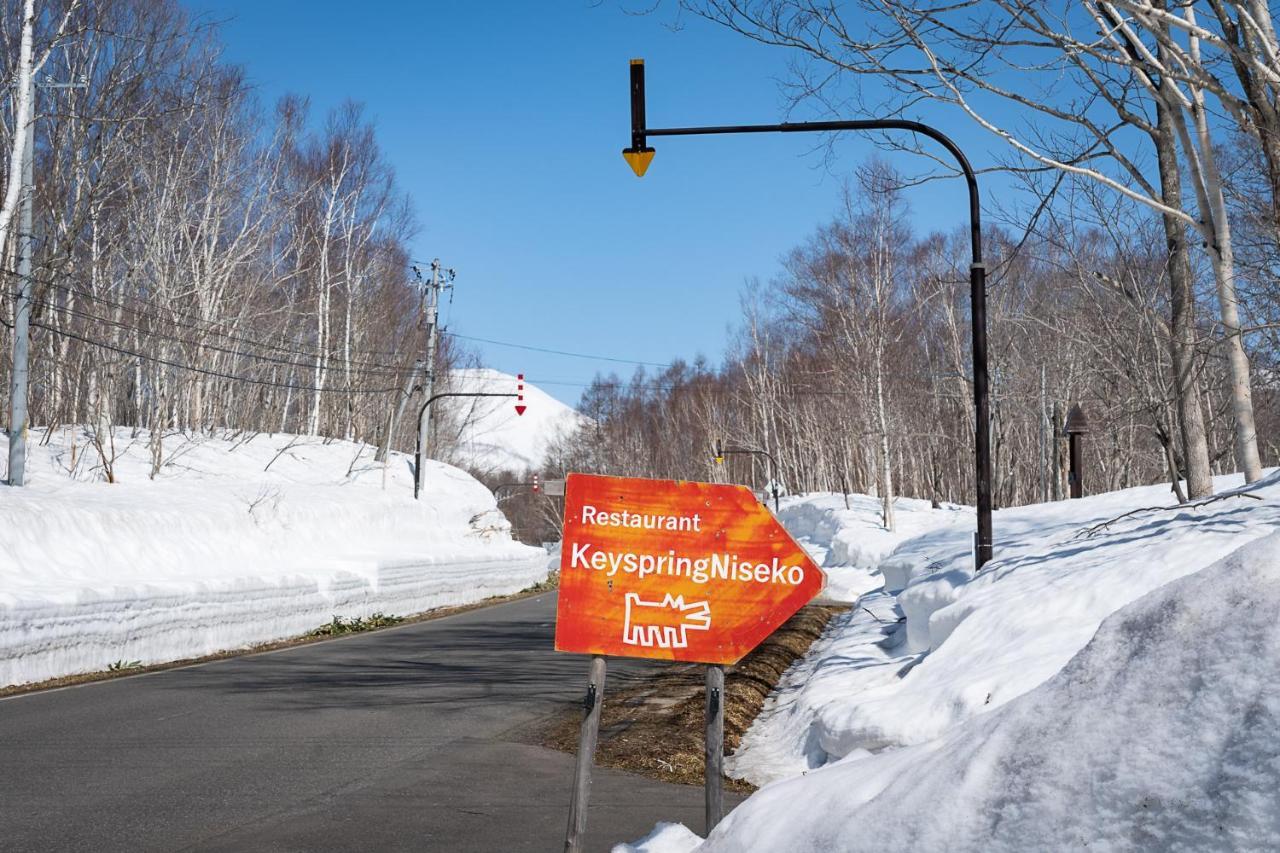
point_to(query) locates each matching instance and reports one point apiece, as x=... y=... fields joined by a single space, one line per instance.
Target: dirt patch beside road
x=655 y=727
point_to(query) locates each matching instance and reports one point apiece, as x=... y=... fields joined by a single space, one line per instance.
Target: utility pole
x=1056 y=480
x=438 y=281
x=18 y=418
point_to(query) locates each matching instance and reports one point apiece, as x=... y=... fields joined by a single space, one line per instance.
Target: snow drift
x=1159 y=734
x=845 y=535
x=907 y=722
x=238 y=540
x=940 y=645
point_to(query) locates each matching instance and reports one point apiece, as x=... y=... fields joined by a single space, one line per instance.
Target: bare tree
x=1083 y=93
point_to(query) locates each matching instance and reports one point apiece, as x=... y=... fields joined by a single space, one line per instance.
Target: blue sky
x=505 y=121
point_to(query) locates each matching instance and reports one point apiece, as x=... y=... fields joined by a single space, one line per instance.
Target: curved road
x=401 y=739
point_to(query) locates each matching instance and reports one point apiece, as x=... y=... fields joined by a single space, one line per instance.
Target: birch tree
x=1080 y=94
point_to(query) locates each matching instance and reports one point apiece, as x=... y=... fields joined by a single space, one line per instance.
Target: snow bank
x=982 y=641
x=905 y=668
x=493 y=437
x=1159 y=734
x=665 y=838
x=238 y=540
x=786 y=739
x=845 y=534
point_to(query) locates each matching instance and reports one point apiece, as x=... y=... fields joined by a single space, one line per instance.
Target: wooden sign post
x=586 y=750
x=714 y=768
x=673 y=570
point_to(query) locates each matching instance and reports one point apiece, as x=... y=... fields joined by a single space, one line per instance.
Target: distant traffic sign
x=674 y=570
x=638 y=160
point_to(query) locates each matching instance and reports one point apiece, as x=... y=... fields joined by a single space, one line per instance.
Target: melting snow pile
x=1158 y=735
x=949 y=711
x=238 y=540
x=845 y=535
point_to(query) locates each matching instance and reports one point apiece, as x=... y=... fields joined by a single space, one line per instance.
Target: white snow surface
x=1158 y=735
x=845 y=534
x=665 y=838
x=238 y=540
x=493 y=437
x=930 y=658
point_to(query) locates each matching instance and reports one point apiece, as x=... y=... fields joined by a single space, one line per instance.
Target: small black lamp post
x=1076 y=428
x=534 y=485
x=421 y=452
x=719 y=452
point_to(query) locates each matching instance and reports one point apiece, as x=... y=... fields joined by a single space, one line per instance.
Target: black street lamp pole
x=502 y=486
x=773 y=467
x=639 y=156
x=422 y=413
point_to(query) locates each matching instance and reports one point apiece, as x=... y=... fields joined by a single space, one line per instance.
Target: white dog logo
x=663 y=624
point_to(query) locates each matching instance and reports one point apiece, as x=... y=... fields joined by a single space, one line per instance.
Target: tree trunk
x=1182 y=332
x=886 y=463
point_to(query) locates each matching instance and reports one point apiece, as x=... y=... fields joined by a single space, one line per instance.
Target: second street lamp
x=639 y=155
x=421 y=451
x=720 y=451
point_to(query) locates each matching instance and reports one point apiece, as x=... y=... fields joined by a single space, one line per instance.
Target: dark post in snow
x=1077 y=427
x=421 y=451
x=719 y=451
x=714 y=769
x=639 y=155
x=575 y=836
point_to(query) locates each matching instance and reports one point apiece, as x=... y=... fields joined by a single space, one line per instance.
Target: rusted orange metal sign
x=674 y=570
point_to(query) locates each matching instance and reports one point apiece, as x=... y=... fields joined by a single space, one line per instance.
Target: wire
x=208 y=327
x=215 y=373
x=657 y=386
x=341 y=366
x=619 y=384
x=211 y=327
x=557 y=351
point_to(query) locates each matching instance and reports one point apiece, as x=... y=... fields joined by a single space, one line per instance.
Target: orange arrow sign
x=674 y=570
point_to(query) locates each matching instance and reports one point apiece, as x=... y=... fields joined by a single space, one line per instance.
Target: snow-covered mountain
x=491 y=436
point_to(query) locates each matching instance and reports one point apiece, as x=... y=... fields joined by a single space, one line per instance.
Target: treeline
x=200 y=261
x=1136 y=272
x=853 y=367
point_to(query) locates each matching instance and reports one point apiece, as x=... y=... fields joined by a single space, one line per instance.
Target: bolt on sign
x=674 y=570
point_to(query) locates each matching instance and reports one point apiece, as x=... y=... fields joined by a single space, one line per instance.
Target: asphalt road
x=402 y=739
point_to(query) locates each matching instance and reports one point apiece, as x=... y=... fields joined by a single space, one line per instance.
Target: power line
x=215 y=373
x=151 y=333
x=558 y=352
x=209 y=328
x=212 y=327
x=618 y=384
x=786 y=390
